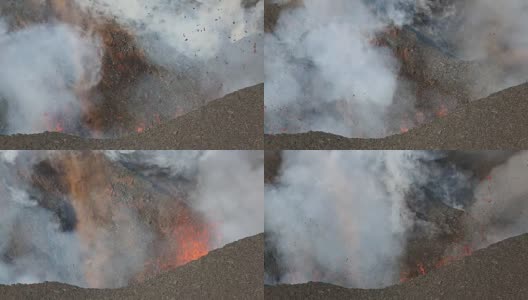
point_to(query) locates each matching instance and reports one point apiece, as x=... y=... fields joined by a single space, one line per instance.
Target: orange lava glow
x=59 y=127
x=442 y=111
x=421 y=268
x=53 y=124
x=140 y=128
x=193 y=243
x=466 y=251
x=189 y=240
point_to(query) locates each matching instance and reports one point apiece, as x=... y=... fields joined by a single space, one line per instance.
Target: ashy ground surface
x=232 y=272
x=497 y=272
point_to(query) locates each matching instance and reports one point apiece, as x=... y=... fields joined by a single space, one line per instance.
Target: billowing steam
x=312 y=67
x=361 y=218
x=501 y=207
x=203 y=25
x=340 y=216
x=108 y=219
x=214 y=36
x=324 y=73
x=325 y=70
x=87 y=63
x=45 y=71
x=236 y=207
x=227 y=201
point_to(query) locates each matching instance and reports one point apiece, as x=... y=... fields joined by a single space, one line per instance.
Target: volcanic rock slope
x=232 y=272
x=496 y=122
x=497 y=272
x=232 y=122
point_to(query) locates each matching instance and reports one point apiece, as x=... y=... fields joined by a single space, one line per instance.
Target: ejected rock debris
x=496 y=122
x=497 y=272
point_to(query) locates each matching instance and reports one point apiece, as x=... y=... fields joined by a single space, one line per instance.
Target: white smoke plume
x=227 y=199
x=35 y=228
x=35 y=244
x=44 y=70
x=203 y=50
x=495 y=33
x=340 y=216
x=223 y=38
x=323 y=73
x=353 y=218
x=229 y=188
x=500 y=210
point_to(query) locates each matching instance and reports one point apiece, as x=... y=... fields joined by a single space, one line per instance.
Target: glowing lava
x=463 y=250
x=193 y=243
x=442 y=111
x=53 y=125
x=140 y=128
x=189 y=238
x=59 y=127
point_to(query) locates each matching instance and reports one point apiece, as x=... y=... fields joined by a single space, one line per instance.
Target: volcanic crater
x=458 y=103
x=134 y=98
x=441 y=262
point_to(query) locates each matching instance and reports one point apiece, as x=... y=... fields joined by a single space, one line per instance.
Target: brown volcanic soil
x=233 y=122
x=232 y=272
x=496 y=122
x=497 y=272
